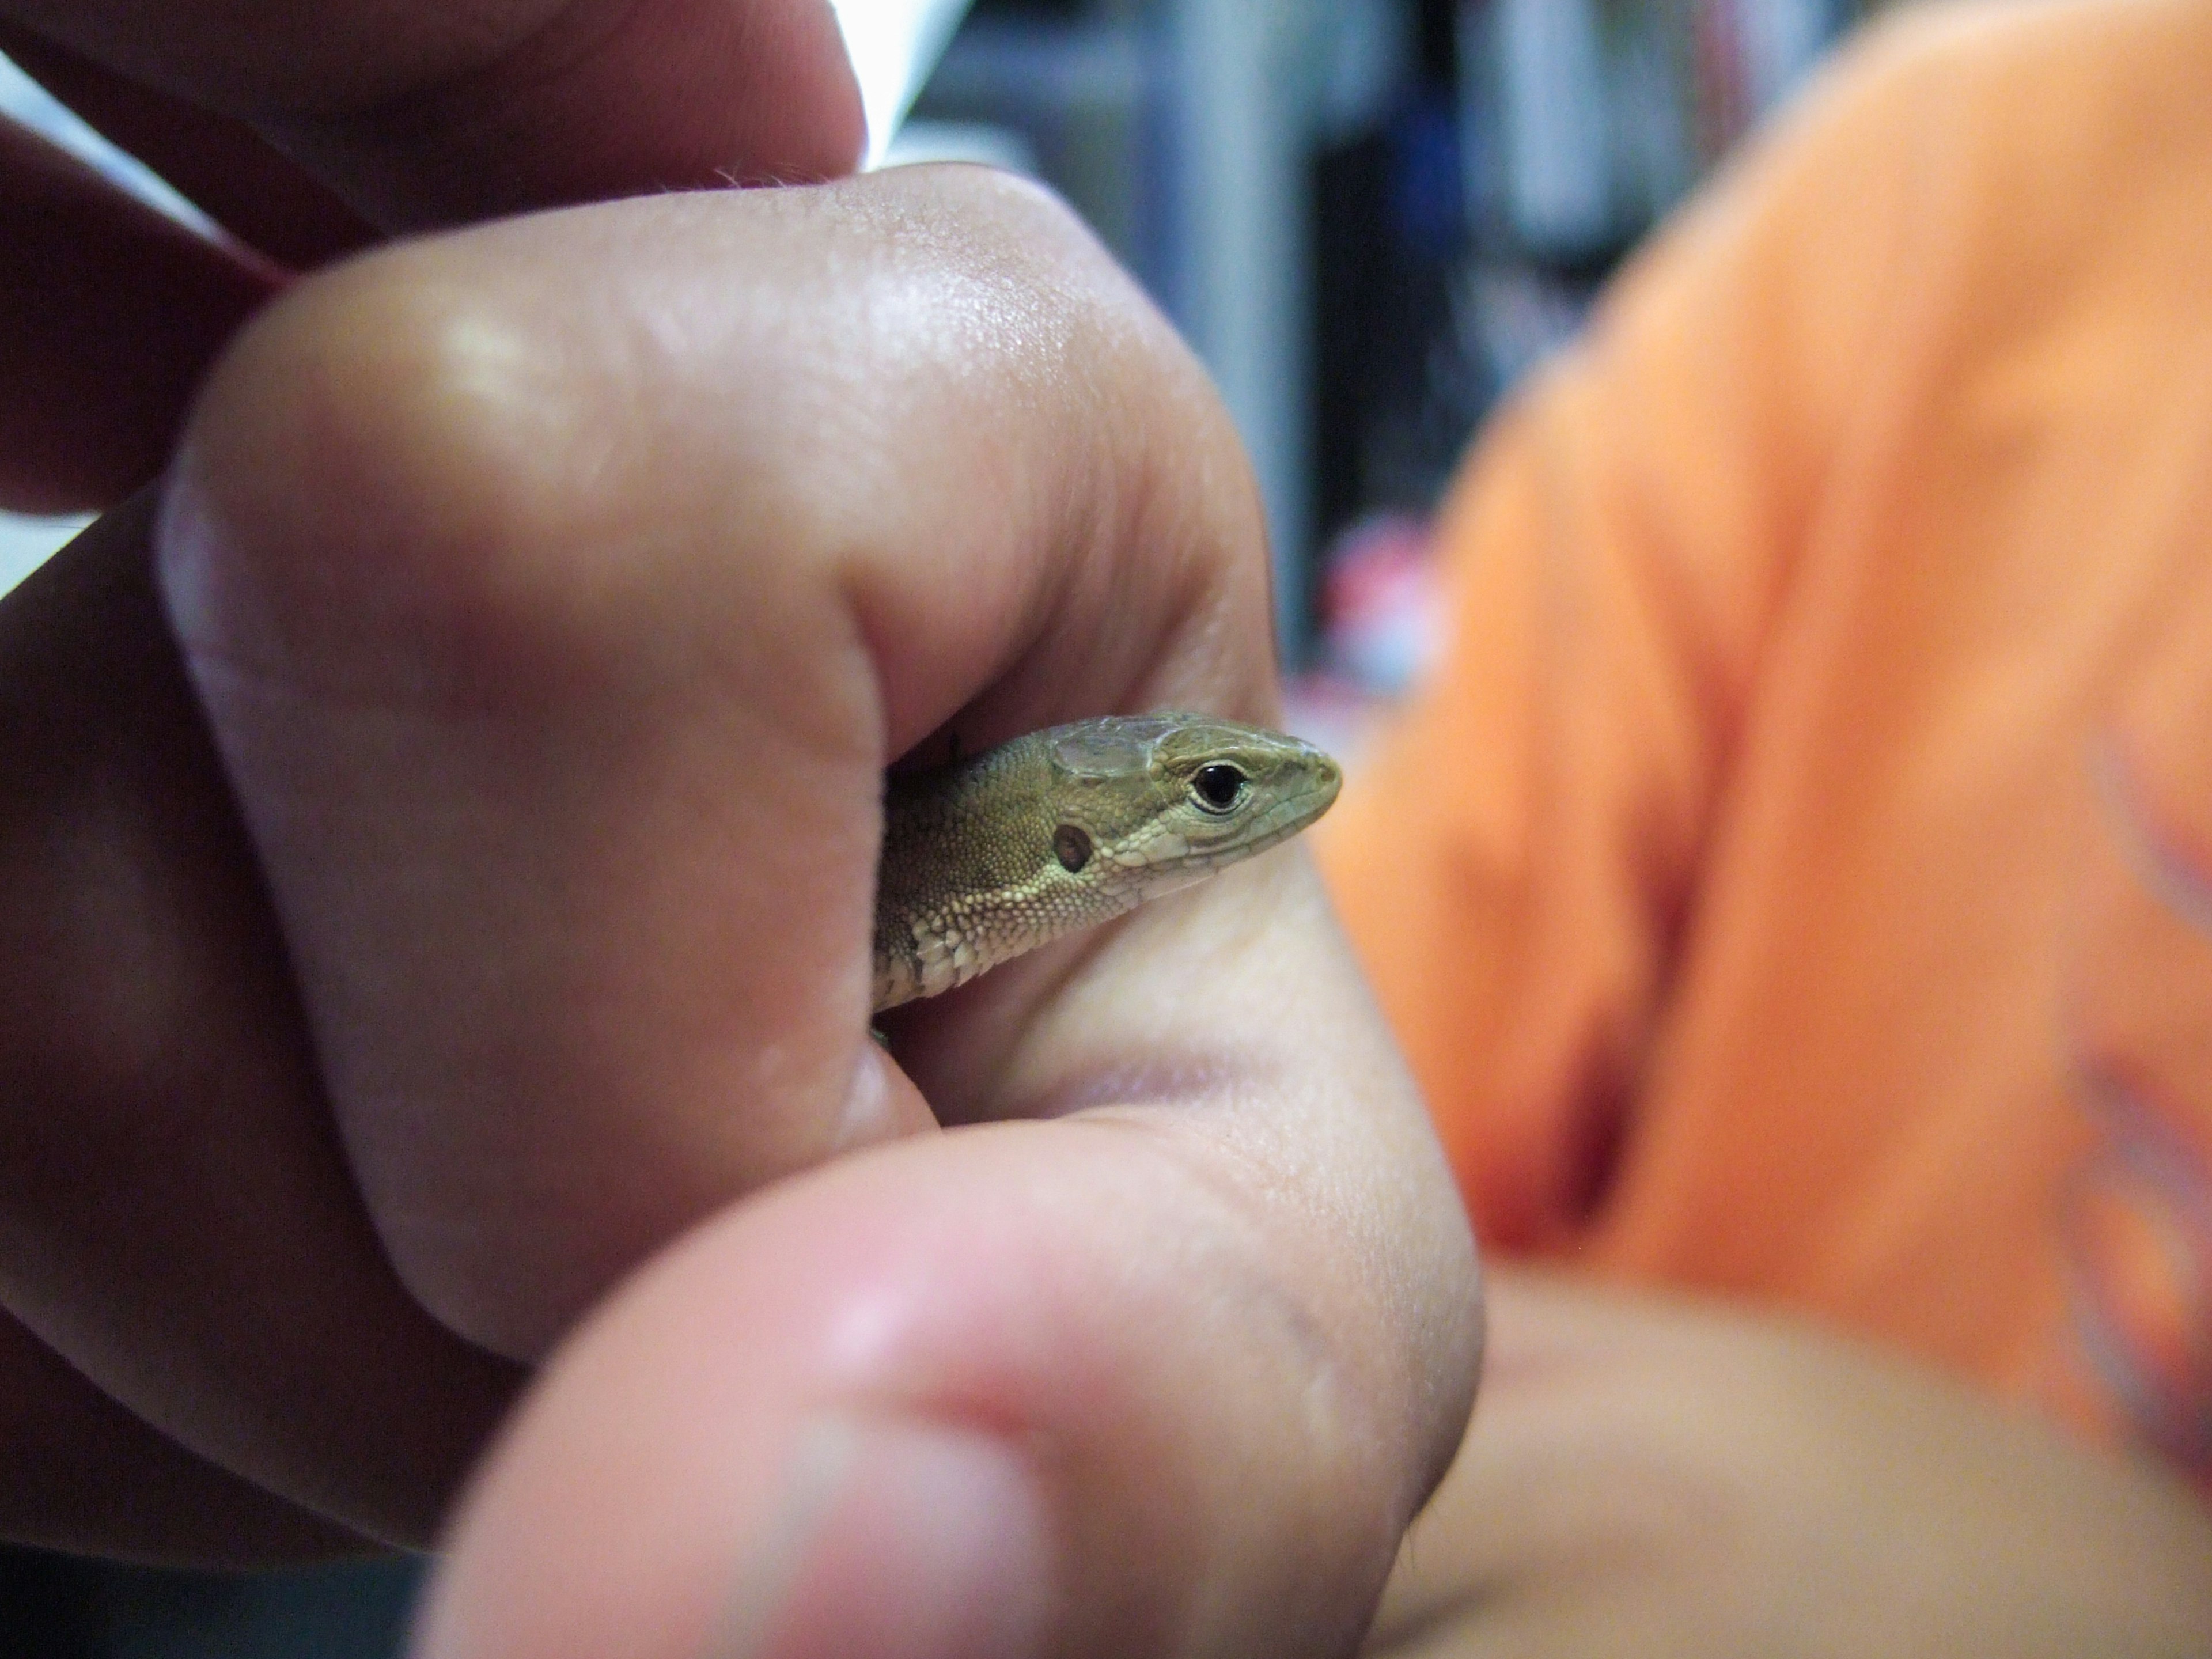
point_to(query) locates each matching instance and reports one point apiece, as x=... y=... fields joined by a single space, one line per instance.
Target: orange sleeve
x=1516 y=859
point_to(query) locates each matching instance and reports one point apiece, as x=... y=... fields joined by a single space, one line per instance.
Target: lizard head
x=1162 y=799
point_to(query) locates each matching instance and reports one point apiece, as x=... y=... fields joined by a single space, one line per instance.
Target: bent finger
x=559 y=591
x=176 y=1218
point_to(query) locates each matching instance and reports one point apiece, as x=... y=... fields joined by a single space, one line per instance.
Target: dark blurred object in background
x=58 y=1607
x=1370 y=216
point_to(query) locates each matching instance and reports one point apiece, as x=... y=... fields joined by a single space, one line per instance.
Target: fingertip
x=896 y=1537
x=422 y=116
x=670 y=95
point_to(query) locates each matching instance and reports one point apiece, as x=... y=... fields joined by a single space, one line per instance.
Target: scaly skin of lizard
x=1069 y=827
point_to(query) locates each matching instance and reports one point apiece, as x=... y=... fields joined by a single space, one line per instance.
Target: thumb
x=1112 y=1383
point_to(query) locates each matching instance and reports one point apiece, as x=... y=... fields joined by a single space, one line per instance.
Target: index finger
x=559 y=591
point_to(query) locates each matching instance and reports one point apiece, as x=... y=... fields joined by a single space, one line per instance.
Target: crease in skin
x=1066 y=828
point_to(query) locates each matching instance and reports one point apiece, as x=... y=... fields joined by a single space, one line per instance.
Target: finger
x=1650 y=1475
x=430 y=114
x=559 y=591
x=108 y=314
x=1565 y=1491
x=220 y=165
x=85 y=1475
x=175 y=1217
x=952 y=1398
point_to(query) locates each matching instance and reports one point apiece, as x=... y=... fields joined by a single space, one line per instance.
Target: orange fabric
x=1798 y=881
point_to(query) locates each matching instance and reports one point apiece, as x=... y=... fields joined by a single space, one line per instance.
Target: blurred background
x=1369 y=217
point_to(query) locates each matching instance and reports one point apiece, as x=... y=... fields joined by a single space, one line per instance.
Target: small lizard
x=1064 y=829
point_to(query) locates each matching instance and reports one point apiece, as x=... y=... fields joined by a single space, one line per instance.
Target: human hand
x=560 y=733
x=1650 y=1476
x=560 y=737
x=162 y=1147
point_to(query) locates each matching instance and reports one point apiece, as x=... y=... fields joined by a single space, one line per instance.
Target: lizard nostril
x=1071 y=846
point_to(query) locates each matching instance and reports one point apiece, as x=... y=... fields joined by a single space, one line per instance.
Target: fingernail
x=867 y=1117
x=902 y=1541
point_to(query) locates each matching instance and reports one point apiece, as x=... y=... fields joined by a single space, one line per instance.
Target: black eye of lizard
x=1217 y=786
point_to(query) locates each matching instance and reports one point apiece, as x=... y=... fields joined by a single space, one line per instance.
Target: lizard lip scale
x=1066 y=828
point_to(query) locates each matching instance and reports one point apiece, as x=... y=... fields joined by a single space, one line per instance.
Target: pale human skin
x=556 y=591
x=1654 y=1477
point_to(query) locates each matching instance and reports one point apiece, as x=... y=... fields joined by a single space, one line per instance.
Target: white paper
x=894 y=45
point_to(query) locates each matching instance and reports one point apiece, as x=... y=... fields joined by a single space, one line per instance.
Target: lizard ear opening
x=1072 y=847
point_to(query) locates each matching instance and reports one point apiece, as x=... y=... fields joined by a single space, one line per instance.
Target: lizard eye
x=1217 y=786
x=1072 y=848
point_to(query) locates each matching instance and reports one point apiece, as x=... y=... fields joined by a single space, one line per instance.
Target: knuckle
x=393 y=469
